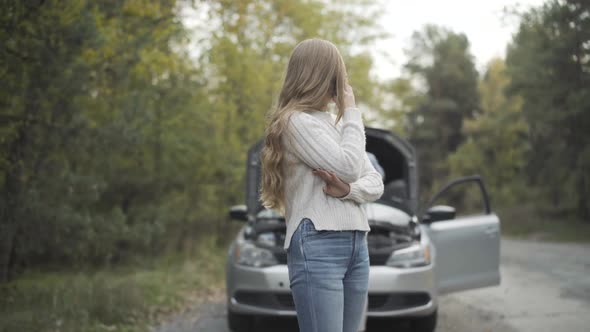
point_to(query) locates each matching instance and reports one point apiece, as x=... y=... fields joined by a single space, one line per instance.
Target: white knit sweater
x=312 y=140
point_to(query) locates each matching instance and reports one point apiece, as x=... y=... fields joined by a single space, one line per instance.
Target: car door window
x=467 y=196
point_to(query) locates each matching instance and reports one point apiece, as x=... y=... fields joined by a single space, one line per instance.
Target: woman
x=316 y=172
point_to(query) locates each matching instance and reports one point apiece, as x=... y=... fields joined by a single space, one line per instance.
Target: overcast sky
x=481 y=20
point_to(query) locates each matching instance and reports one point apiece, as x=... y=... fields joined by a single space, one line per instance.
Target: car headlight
x=412 y=256
x=248 y=254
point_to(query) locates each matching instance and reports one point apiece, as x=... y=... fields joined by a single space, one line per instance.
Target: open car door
x=466 y=236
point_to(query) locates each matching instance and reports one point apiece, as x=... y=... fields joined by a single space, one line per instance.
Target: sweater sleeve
x=310 y=142
x=369 y=187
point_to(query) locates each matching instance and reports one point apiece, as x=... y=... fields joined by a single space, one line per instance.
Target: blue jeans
x=329 y=278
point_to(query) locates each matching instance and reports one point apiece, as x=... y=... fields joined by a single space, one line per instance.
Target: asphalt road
x=545 y=288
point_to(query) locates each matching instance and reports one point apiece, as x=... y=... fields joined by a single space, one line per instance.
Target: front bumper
x=393 y=292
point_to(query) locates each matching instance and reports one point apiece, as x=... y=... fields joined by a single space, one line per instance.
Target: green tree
x=496 y=141
x=400 y=99
x=445 y=69
x=40 y=78
x=87 y=152
x=549 y=65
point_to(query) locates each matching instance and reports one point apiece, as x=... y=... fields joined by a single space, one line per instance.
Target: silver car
x=415 y=254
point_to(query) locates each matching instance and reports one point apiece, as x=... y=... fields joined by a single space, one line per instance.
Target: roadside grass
x=120 y=299
x=528 y=222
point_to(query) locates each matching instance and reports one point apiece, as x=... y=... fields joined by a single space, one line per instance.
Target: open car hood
x=395 y=155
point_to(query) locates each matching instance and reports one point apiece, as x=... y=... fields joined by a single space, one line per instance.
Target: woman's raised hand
x=348 y=97
x=334 y=186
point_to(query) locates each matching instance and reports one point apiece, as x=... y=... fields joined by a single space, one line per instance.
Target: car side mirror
x=438 y=213
x=238 y=212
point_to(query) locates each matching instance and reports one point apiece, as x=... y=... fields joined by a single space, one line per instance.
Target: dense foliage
x=549 y=66
x=442 y=60
x=122 y=134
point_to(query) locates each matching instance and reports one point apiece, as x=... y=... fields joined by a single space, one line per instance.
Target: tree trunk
x=582 y=189
x=8 y=231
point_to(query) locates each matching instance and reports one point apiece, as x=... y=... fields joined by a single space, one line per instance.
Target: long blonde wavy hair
x=315 y=75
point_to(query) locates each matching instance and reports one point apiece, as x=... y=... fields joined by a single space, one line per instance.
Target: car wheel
x=424 y=324
x=239 y=322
